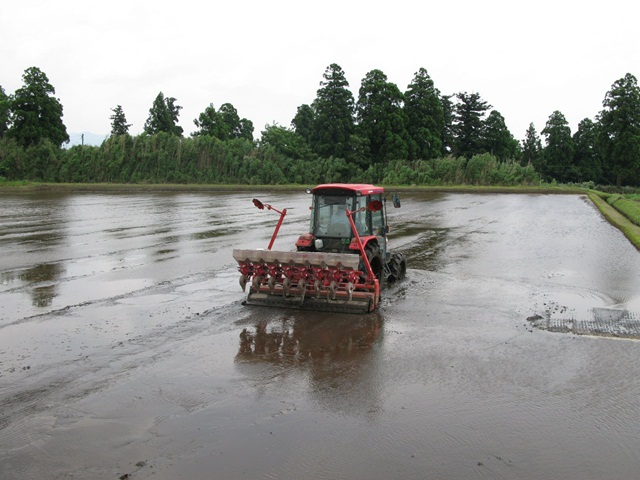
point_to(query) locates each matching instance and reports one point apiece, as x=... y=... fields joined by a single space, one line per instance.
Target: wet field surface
x=509 y=351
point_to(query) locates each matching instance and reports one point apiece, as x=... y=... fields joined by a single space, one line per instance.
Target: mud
x=509 y=351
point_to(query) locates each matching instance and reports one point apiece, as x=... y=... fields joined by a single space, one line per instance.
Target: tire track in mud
x=51 y=383
x=96 y=355
x=605 y=316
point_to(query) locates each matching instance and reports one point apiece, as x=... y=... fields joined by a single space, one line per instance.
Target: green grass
x=13 y=183
x=629 y=208
x=627 y=222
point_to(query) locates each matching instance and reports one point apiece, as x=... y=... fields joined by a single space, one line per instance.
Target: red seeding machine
x=338 y=265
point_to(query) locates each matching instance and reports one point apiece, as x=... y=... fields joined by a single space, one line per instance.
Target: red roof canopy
x=363 y=188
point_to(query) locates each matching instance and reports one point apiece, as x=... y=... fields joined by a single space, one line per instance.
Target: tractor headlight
x=319 y=244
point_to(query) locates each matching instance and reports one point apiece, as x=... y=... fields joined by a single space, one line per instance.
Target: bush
x=165 y=158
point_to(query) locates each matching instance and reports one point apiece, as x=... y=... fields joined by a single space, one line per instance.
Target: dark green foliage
x=558 y=152
x=12 y=160
x=5 y=111
x=468 y=124
x=381 y=118
x=482 y=170
x=304 y=123
x=531 y=148
x=417 y=138
x=161 y=158
x=619 y=134
x=224 y=124
x=163 y=117
x=246 y=129
x=587 y=162
x=497 y=139
x=119 y=125
x=42 y=161
x=286 y=142
x=209 y=123
x=448 y=134
x=282 y=157
x=333 y=122
x=35 y=114
x=78 y=163
x=425 y=117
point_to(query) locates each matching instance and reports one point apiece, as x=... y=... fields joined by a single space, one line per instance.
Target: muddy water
x=125 y=351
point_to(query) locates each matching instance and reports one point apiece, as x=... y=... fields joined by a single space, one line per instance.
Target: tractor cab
x=330 y=229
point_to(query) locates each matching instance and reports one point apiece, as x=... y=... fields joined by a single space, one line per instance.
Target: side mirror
x=396 y=200
x=258 y=204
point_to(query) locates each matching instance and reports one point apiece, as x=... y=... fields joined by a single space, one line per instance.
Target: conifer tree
x=425 y=117
x=585 y=154
x=163 y=116
x=558 y=152
x=381 y=118
x=497 y=139
x=119 y=125
x=619 y=130
x=5 y=110
x=333 y=121
x=304 y=123
x=468 y=124
x=531 y=148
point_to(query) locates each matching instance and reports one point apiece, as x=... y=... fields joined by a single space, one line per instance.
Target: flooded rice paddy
x=508 y=352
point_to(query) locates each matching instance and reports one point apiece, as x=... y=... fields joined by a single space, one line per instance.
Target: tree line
x=419 y=136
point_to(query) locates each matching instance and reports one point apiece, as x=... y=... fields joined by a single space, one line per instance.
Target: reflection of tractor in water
x=338 y=265
x=330 y=338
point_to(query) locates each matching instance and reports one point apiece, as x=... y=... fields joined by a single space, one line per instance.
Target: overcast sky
x=267 y=57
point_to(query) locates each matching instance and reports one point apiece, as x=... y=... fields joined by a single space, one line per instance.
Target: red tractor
x=338 y=265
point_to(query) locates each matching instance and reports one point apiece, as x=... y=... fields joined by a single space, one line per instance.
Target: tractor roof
x=362 y=188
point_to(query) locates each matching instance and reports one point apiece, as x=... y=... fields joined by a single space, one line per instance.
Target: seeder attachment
x=307 y=280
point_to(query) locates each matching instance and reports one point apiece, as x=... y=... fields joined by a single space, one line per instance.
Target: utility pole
x=82 y=135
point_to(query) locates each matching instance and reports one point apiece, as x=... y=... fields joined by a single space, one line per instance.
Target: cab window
x=362 y=219
x=377 y=218
x=329 y=215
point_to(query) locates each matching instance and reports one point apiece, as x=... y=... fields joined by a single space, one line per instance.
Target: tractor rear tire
x=375 y=258
x=398 y=267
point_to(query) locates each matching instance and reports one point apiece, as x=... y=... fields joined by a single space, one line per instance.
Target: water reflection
x=43 y=295
x=309 y=339
x=214 y=233
x=339 y=357
x=41 y=281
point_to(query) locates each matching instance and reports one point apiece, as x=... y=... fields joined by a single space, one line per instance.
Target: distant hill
x=90 y=138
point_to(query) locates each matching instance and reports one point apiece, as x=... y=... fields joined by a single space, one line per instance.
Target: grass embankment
x=622 y=212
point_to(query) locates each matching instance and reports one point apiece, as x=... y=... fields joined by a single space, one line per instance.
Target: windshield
x=330 y=215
